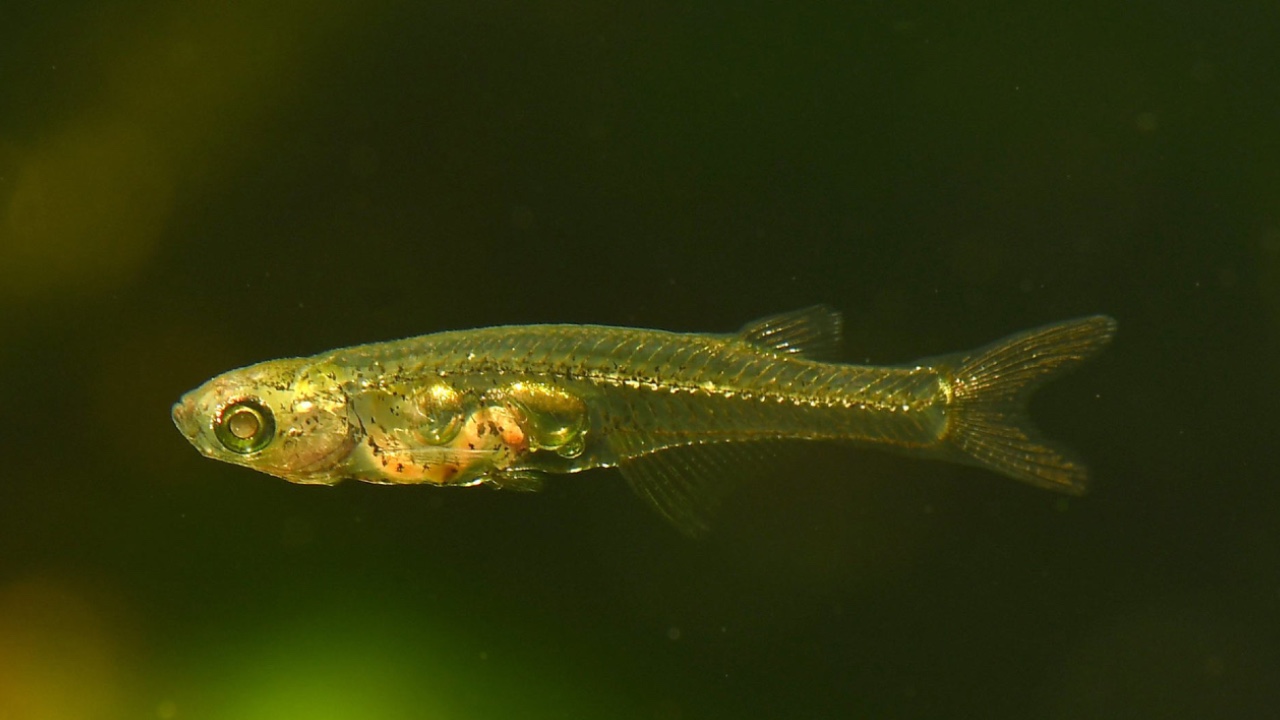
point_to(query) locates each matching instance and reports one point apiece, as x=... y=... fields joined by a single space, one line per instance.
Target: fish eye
x=244 y=426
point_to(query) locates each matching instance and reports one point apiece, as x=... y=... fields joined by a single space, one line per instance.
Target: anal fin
x=688 y=484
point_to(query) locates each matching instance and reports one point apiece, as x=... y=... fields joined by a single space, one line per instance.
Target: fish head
x=288 y=418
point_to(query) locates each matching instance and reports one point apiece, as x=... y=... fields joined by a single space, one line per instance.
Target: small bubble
x=522 y=217
x=363 y=161
x=1214 y=666
x=1269 y=244
x=668 y=711
x=296 y=533
x=673 y=633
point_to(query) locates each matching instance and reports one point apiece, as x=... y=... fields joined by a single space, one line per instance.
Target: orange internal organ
x=490 y=439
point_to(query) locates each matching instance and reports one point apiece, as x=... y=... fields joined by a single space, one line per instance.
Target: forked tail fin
x=987 y=422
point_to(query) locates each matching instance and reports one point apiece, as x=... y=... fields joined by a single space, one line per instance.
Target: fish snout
x=184 y=417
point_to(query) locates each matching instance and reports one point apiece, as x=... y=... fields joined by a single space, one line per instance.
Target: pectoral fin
x=518 y=480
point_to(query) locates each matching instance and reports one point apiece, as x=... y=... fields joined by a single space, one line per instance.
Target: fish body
x=680 y=414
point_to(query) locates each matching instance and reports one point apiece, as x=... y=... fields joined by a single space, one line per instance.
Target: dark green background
x=189 y=189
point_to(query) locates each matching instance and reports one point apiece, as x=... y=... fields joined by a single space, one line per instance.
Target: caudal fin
x=987 y=422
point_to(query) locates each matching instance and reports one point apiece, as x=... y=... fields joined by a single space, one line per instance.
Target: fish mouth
x=183 y=414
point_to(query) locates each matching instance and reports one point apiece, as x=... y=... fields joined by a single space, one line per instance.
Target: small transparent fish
x=681 y=415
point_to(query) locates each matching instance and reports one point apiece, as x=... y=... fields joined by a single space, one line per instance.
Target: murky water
x=186 y=190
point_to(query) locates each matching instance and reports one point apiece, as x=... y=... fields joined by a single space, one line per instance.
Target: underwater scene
x=674 y=360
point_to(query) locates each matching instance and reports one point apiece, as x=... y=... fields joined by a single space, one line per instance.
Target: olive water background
x=189 y=188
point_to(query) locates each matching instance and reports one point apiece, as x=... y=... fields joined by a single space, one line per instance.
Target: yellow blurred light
x=83 y=207
x=86 y=210
x=58 y=657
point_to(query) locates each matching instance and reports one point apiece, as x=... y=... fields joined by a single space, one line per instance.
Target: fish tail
x=987 y=420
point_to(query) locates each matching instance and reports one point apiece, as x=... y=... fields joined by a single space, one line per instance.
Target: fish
x=681 y=415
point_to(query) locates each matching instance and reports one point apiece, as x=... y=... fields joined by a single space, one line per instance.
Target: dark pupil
x=244 y=424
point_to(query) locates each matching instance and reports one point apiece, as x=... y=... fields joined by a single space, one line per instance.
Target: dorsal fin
x=812 y=332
